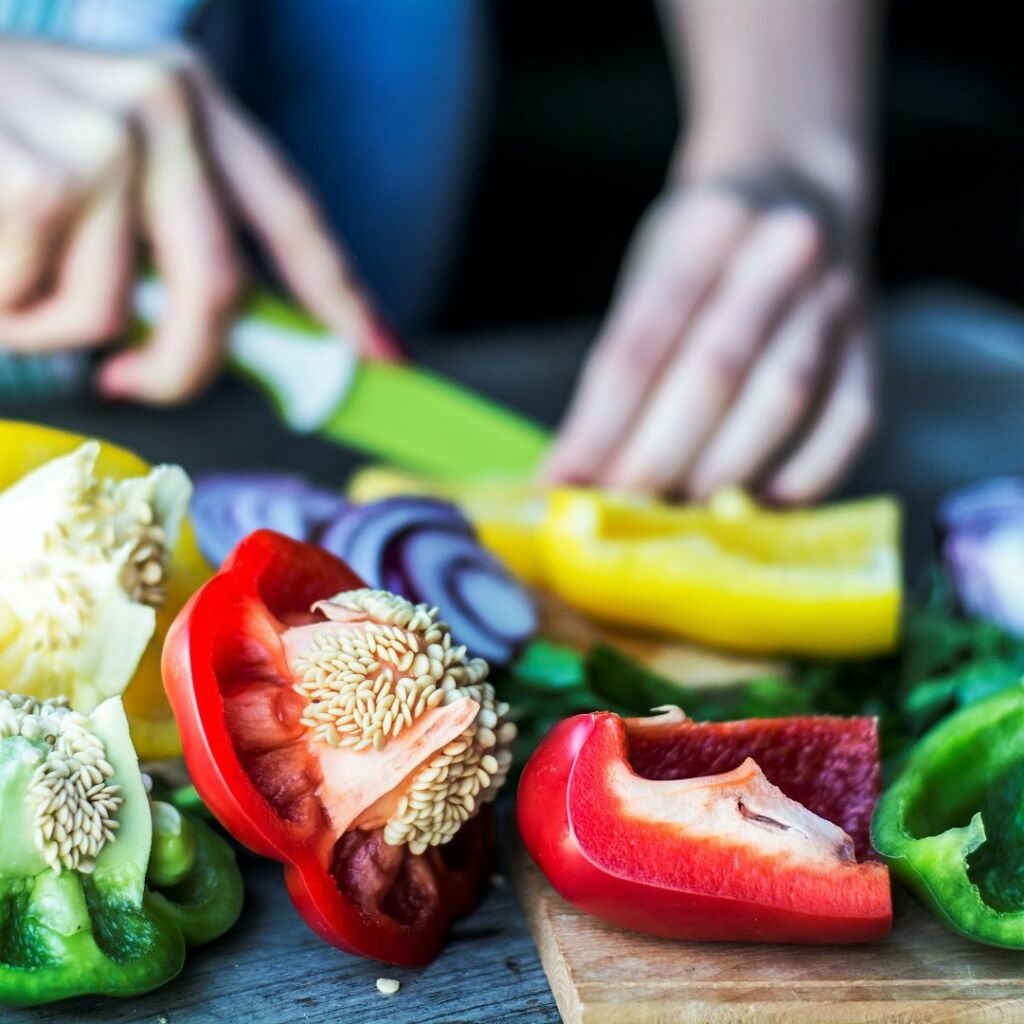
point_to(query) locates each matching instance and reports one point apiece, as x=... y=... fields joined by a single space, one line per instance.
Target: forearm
x=777 y=85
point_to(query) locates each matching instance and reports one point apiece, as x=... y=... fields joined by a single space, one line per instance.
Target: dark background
x=584 y=117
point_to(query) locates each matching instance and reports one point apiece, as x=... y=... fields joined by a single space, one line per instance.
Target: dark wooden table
x=954 y=384
x=271 y=969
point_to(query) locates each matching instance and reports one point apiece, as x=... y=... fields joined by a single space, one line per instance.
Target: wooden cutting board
x=919 y=975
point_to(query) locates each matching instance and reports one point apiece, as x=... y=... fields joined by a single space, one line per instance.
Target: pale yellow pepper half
x=25 y=446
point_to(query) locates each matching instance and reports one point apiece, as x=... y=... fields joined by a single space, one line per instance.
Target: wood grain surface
x=271 y=969
x=921 y=974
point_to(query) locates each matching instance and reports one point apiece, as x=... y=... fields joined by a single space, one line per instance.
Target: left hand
x=737 y=351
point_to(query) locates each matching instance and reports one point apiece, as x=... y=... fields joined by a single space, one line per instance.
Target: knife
x=392 y=410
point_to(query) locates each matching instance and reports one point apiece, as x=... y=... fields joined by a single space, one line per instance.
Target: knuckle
x=101 y=323
x=723 y=366
x=45 y=195
x=223 y=287
x=111 y=139
x=164 y=90
x=794 y=382
x=859 y=414
x=633 y=354
x=801 y=238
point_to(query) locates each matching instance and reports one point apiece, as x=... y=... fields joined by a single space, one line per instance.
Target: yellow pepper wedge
x=824 y=582
x=25 y=446
x=507 y=515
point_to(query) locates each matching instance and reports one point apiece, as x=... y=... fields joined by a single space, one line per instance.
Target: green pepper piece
x=173 y=854
x=125 y=951
x=207 y=900
x=119 y=926
x=951 y=826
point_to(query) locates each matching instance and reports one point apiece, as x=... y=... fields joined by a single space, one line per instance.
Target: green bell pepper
x=951 y=826
x=118 y=920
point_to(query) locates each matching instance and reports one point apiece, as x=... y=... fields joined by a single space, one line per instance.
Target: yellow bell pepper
x=823 y=581
x=24 y=447
x=506 y=515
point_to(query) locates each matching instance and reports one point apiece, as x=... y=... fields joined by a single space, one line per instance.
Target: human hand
x=736 y=351
x=99 y=151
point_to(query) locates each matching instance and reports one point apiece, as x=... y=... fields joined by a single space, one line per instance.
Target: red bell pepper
x=322 y=809
x=711 y=831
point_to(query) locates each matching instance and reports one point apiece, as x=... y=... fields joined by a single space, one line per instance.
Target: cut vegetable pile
x=819 y=582
x=332 y=687
x=951 y=825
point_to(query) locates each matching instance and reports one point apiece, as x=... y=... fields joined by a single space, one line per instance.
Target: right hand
x=98 y=151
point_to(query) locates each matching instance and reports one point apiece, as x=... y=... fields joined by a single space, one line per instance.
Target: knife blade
x=394 y=411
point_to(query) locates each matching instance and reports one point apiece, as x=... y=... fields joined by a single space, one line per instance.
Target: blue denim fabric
x=380 y=103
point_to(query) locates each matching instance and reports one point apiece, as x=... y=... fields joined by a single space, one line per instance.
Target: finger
x=287 y=221
x=778 y=393
x=89 y=303
x=844 y=424
x=668 y=279
x=184 y=222
x=774 y=264
x=39 y=200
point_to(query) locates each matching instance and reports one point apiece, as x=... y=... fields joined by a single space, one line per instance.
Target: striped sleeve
x=109 y=24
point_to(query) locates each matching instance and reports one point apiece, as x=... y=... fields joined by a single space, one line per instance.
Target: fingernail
x=381 y=343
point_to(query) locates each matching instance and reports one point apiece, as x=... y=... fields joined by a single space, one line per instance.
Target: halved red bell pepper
x=743 y=831
x=230 y=676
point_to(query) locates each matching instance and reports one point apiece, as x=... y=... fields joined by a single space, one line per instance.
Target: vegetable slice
x=982 y=528
x=672 y=827
x=227 y=507
x=339 y=730
x=950 y=825
x=77 y=912
x=49 y=589
x=819 y=581
x=426 y=550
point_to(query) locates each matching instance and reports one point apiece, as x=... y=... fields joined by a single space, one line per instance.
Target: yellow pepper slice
x=24 y=447
x=823 y=581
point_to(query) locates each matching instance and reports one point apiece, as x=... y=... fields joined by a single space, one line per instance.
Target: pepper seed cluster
x=105 y=515
x=74 y=804
x=370 y=680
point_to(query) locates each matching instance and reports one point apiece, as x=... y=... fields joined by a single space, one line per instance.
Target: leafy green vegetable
x=946 y=662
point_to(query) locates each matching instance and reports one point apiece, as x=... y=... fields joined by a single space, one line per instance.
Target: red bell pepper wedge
x=669 y=826
x=231 y=691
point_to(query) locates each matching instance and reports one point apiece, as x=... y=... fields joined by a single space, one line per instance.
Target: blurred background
x=514 y=146
x=571 y=113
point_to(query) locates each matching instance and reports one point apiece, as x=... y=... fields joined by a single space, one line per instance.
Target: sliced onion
x=363 y=534
x=447 y=569
x=979 y=503
x=508 y=610
x=983 y=549
x=427 y=551
x=227 y=507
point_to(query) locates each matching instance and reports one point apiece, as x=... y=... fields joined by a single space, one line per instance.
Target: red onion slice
x=363 y=534
x=227 y=507
x=445 y=569
x=982 y=527
x=427 y=551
